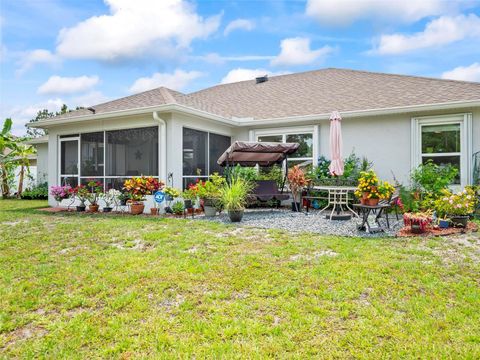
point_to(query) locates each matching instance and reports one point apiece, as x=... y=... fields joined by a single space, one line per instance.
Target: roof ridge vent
x=261 y=79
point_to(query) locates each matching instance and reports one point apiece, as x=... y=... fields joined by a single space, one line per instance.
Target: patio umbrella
x=336 y=166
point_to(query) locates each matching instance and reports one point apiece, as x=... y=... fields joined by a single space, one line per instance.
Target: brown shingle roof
x=307 y=93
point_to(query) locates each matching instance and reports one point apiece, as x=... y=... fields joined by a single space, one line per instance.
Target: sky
x=86 y=52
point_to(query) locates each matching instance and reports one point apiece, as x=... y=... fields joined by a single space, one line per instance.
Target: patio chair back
x=268 y=190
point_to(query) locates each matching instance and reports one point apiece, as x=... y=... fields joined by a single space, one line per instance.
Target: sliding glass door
x=109 y=157
x=69 y=154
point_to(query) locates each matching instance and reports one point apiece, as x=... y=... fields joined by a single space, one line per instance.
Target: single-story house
x=396 y=121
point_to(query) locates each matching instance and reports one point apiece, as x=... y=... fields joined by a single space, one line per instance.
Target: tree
x=22 y=153
x=42 y=115
x=8 y=146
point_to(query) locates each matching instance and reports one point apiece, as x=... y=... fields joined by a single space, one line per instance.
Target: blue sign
x=159 y=197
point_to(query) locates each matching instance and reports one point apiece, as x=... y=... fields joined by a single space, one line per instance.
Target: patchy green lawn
x=80 y=286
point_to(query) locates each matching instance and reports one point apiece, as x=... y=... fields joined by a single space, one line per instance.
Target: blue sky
x=86 y=52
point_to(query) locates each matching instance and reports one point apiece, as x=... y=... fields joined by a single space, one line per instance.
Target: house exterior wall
x=175 y=144
x=385 y=140
x=42 y=163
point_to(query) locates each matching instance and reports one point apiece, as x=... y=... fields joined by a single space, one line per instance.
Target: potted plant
x=123 y=197
x=210 y=193
x=171 y=193
x=81 y=194
x=367 y=184
x=234 y=197
x=177 y=208
x=189 y=197
x=418 y=221
x=296 y=181
x=60 y=193
x=95 y=190
x=385 y=190
x=458 y=207
x=138 y=187
x=109 y=199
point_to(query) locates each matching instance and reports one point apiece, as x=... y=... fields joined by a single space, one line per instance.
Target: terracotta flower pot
x=93 y=208
x=136 y=208
x=373 y=202
x=153 y=211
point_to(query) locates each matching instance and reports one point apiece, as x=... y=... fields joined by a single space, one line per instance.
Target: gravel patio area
x=301 y=222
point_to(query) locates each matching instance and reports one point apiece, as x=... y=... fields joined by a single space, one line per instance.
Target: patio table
x=366 y=211
x=338 y=198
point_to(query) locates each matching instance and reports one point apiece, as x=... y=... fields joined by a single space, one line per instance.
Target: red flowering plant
x=139 y=187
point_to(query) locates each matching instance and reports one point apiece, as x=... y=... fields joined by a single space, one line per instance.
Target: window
x=91 y=154
x=69 y=161
x=441 y=144
x=201 y=151
x=131 y=152
x=304 y=154
x=444 y=140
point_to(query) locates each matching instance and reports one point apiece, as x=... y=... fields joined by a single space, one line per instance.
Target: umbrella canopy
x=253 y=153
x=336 y=166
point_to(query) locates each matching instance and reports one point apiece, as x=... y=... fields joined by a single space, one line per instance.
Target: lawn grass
x=93 y=286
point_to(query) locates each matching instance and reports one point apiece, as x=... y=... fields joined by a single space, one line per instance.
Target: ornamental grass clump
x=234 y=196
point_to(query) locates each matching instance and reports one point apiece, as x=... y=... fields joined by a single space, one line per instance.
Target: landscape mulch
x=436 y=231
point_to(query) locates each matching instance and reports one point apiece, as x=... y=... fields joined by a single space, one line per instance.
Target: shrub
x=210 y=189
x=275 y=172
x=39 y=192
x=461 y=203
x=245 y=173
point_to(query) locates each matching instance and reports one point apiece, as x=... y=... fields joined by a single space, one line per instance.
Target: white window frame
x=465 y=122
x=208 y=132
x=103 y=177
x=60 y=175
x=284 y=132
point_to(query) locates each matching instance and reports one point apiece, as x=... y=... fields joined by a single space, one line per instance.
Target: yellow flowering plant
x=385 y=190
x=367 y=183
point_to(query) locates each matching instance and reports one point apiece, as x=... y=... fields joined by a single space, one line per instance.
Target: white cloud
x=241 y=74
x=37 y=56
x=465 y=73
x=178 y=80
x=239 y=24
x=89 y=99
x=134 y=29
x=22 y=114
x=343 y=12
x=214 y=58
x=438 y=32
x=296 y=51
x=67 y=85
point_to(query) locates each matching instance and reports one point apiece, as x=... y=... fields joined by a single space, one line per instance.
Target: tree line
x=15 y=153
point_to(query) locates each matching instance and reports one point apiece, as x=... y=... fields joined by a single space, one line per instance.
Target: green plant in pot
x=234 y=197
x=81 y=193
x=95 y=190
x=109 y=199
x=178 y=208
x=210 y=193
x=457 y=206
